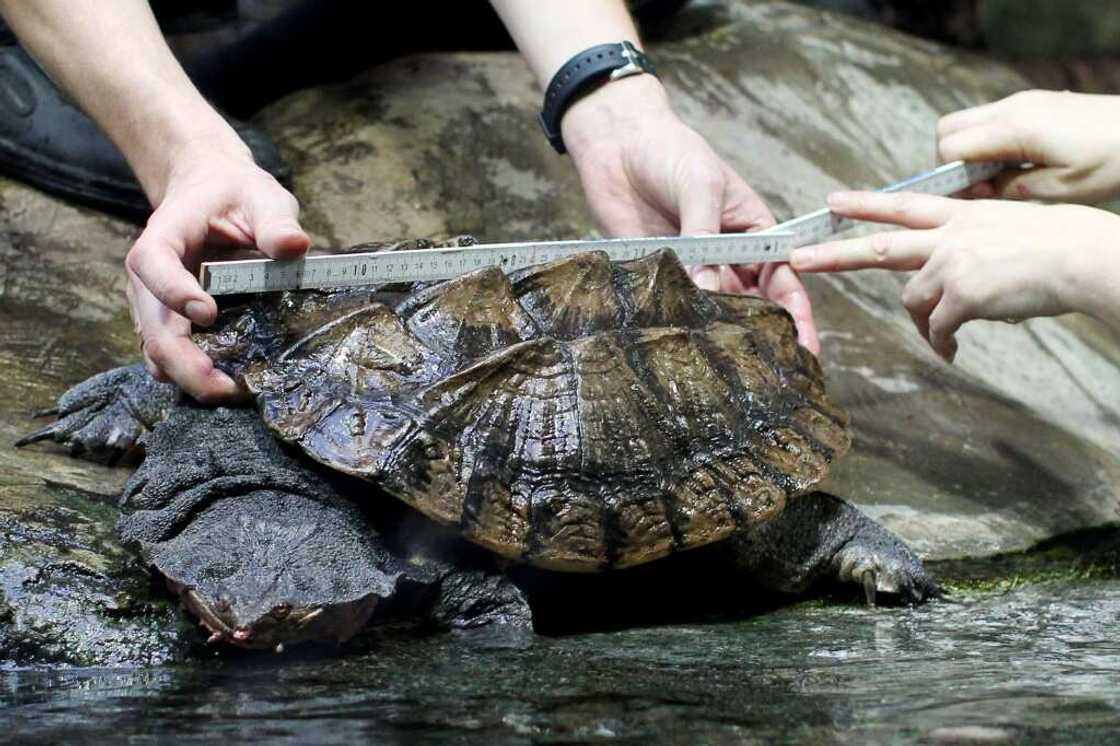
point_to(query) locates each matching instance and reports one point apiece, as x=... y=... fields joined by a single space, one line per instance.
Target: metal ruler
x=343 y=270
x=944 y=180
x=413 y=265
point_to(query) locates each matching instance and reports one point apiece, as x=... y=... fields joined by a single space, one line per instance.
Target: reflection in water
x=1038 y=665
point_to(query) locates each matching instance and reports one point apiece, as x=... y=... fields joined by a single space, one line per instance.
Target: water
x=1039 y=664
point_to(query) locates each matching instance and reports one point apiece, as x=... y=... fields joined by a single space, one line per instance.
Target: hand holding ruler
x=771 y=245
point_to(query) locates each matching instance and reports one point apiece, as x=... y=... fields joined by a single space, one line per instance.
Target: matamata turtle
x=580 y=415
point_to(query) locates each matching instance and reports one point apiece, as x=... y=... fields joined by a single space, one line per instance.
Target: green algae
x=1089 y=554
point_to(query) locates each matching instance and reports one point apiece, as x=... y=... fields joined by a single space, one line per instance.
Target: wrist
x=165 y=138
x=1088 y=280
x=613 y=108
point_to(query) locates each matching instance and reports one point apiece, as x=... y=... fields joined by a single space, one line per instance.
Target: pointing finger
x=995 y=141
x=894 y=250
x=907 y=209
x=966 y=118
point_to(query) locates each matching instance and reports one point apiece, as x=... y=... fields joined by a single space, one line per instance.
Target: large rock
x=1016 y=442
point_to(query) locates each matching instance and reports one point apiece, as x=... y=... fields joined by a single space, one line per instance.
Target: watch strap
x=583 y=72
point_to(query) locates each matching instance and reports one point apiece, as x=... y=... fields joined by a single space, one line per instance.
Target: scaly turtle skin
x=257 y=544
x=574 y=416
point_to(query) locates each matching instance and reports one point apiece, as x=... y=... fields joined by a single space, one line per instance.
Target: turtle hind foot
x=102 y=418
x=885 y=570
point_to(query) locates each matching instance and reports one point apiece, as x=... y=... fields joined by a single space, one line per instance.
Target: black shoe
x=49 y=143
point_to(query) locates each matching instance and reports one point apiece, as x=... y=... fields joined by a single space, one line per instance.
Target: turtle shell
x=578 y=415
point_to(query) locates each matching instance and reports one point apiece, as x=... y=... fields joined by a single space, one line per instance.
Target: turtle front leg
x=820 y=538
x=102 y=418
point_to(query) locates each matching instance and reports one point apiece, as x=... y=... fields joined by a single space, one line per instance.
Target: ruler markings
x=346 y=270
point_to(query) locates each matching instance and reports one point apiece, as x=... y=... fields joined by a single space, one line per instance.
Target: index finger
x=169 y=352
x=907 y=209
x=156 y=265
x=965 y=118
x=992 y=141
x=157 y=261
x=896 y=250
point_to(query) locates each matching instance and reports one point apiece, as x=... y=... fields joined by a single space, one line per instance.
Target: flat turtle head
x=244 y=611
x=254 y=542
x=577 y=415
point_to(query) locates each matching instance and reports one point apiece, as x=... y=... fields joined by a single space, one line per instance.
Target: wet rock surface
x=981 y=669
x=1016 y=443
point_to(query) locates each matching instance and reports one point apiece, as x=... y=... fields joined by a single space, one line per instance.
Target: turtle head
x=260 y=621
x=267 y=568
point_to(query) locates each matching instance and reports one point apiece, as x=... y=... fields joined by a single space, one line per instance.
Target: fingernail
x=198 y=312
x=802 y=256
x=291 y=228
x=839 y=200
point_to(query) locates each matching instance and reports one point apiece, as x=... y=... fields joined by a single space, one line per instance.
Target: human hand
x=986 y=259
x=1070 y=138
x=214 y=196
x=646 y=173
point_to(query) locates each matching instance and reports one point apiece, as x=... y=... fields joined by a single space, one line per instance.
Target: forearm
x=112 y=58
x=549 y=33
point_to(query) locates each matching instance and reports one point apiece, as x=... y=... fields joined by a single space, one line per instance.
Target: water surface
x=1039 y=664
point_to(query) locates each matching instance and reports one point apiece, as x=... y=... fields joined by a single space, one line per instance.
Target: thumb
x=274 y=221
x=700 y=202
x=1031 y=183
x=744 y=209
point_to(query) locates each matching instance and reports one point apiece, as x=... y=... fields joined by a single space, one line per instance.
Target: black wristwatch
x=583 y=72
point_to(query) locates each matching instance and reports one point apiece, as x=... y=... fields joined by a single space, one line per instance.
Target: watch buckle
x=631 y=67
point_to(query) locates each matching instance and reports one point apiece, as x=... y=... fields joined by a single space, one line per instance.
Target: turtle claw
x=884 y=570
x=215 y=638
x=102 y=419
